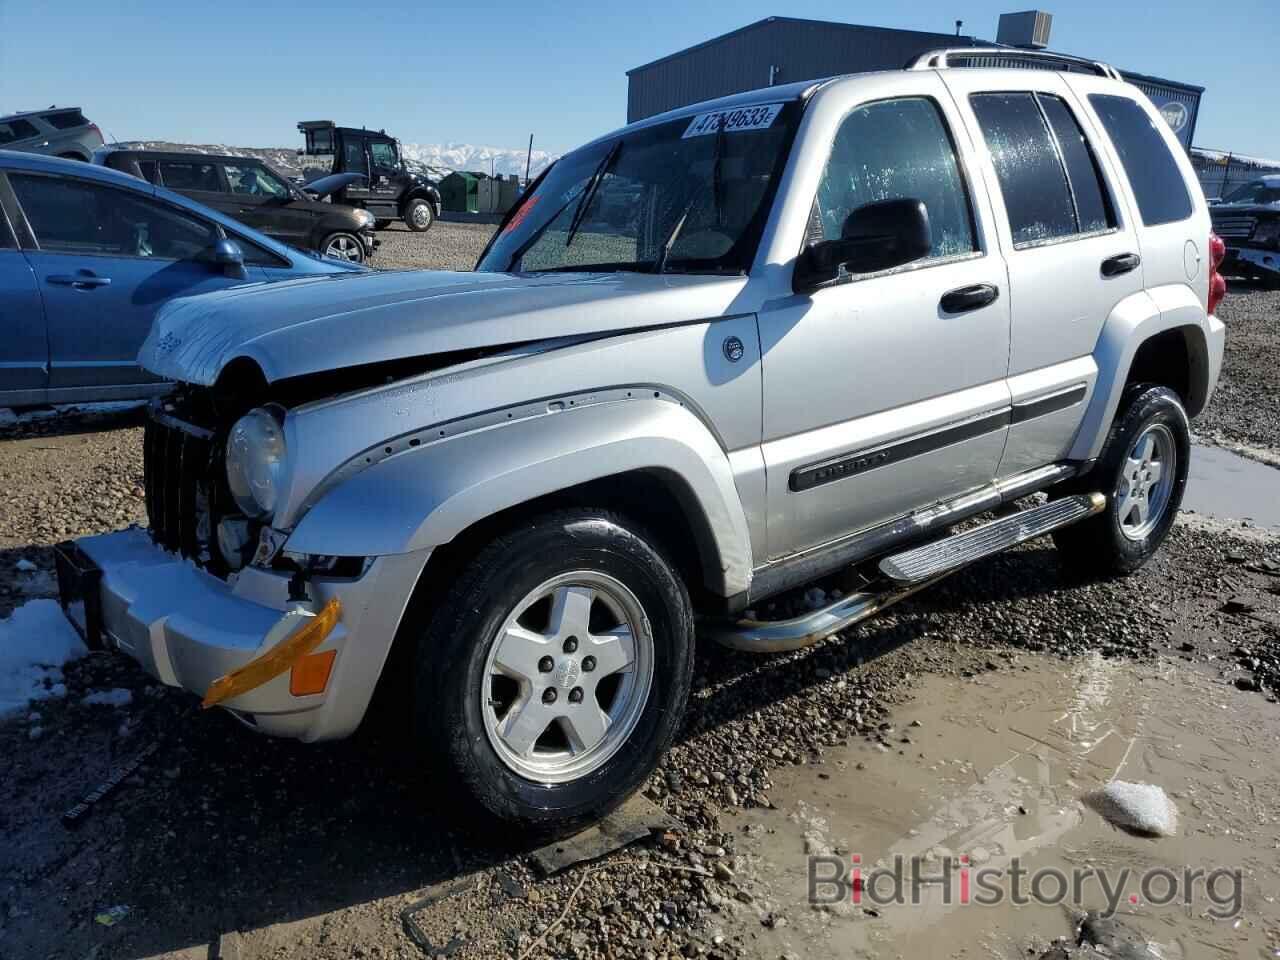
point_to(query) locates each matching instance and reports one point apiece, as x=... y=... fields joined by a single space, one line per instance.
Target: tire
x=382 y=224
x=343 y=246
x=419 y=215
x=477 y=720
x=1150 y=429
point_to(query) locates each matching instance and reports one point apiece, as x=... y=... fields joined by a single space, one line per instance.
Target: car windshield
x=688 y=195
x=1256 y=192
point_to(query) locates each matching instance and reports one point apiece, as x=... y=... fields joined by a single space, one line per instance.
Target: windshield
x=690 y=195
x=1256 y=192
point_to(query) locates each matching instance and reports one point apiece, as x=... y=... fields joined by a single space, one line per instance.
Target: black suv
x=387 y=188
x=1248 y=220
x=255 y=194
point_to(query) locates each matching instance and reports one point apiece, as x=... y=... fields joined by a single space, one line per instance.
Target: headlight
x=365 y=218
x=256 y=461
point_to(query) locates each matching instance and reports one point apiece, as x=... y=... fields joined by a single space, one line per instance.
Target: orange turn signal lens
x=311 y=674
x=278 y=659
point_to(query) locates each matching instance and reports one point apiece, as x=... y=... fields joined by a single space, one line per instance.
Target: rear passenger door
x=1069 y=240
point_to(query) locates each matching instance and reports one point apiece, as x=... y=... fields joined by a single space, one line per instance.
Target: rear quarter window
x=66 y=120
x=1153 y=173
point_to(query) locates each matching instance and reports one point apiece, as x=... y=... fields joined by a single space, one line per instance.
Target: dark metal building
x=785 y=49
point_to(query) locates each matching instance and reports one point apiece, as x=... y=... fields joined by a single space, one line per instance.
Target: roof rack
x=941 y=59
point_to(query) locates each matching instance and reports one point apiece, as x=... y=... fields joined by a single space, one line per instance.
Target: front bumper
x=187 y=628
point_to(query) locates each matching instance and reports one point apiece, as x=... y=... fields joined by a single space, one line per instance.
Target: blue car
x=87 y=257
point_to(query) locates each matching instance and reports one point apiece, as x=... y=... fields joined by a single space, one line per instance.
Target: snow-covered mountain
x=433 y=159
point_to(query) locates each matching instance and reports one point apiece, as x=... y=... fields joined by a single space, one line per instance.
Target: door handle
x=79 y=281
x=1120 y=263
x=964 y=299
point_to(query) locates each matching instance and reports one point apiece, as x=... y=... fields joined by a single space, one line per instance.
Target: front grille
x=1234 y=228
x=176 y=467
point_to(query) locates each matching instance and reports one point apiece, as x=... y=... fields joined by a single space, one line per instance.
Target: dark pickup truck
x=1248 y=221
x=387 y=188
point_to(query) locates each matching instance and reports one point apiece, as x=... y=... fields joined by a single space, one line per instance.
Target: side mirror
x=877 y=236
x=228 y=257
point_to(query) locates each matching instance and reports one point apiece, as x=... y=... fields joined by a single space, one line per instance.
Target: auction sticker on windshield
x=734 y=121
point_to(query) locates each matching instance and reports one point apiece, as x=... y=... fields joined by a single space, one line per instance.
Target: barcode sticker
x=759 y=117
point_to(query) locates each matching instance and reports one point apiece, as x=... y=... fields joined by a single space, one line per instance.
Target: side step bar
x=906 y=573
x=945 y=556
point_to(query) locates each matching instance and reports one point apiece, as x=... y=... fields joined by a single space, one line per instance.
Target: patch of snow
x=117 y=697
x=35 y=643
x=1140 y=808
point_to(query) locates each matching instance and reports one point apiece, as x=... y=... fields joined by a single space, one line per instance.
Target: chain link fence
x=1220 y=171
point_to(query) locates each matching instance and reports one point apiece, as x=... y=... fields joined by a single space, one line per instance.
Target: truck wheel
x=419 y=215
x=1143 y=472
x=555 y=671
x=343 y=246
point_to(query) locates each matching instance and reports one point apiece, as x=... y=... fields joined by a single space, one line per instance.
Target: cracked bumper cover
x=187 y=628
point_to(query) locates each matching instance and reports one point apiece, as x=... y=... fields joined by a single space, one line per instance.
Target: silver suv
x=708 y=358
x=56 y=132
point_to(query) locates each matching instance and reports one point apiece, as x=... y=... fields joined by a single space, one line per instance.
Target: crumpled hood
x=313 y=324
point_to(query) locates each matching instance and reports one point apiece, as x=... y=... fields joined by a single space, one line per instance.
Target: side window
x=148 y=170
x=893 y=149
x=353 y=157
x=256 y=255
x=383 y=155
x=1048 y=176
x=1156 y=180
x=12 y=131
x=74 y=216
x=6 y=235
x=252 y=180
x=190 y=175
x=66 y=120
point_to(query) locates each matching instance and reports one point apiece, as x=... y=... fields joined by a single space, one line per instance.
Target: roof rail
x=941 y=59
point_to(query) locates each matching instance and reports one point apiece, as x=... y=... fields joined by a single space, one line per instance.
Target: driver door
x=879 y=399
x=384 y=171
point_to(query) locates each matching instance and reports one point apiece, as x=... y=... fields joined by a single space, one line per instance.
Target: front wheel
x=1143 y=472
x=554 y=674
x=343 y=246
x=419 y=215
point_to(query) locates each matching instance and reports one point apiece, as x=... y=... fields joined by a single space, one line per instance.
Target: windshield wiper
x=580 y=214
x=661 y=263
x=715 y=171
x=674 y=235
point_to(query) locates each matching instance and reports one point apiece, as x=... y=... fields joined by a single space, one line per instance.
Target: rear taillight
x=1217 y=285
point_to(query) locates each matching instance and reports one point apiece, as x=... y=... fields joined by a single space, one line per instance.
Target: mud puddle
x=989 y=770
x=1227 y=486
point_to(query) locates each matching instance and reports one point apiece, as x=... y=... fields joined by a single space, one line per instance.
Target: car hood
x=323 y=186
x=297 y=327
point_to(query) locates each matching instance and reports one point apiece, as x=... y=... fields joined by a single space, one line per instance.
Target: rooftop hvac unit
x=1027 y=29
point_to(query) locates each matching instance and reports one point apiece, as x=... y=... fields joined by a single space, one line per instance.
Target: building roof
x=942 y=40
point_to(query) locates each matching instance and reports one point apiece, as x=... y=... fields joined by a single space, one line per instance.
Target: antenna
x=959 y=24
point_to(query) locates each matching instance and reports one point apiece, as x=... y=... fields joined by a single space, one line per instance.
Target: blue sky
x=491 y=73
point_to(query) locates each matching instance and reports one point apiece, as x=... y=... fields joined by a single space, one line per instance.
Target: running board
x=937 y=559
x=907 y=572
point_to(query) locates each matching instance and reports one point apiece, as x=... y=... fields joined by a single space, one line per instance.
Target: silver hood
x=313 y=324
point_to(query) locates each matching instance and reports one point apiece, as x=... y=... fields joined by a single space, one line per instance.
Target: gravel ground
x=264 y=848
x=446 y=246
x=1245 y=410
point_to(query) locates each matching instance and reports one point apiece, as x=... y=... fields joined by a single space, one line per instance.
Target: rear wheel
x=419 y=215
x=1143 y=472
x=554 y=673
x=343 y=246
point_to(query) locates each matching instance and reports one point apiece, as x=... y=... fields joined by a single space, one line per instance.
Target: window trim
x=980 y=248
x=215 y=228
x=1110 y=192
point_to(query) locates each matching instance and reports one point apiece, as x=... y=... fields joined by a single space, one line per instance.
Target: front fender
x=1135 y=320
x=425 y=496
